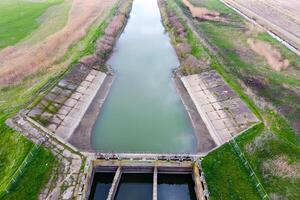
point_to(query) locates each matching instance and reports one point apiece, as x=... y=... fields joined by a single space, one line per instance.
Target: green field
x=272 y=147
x=226 y=176
x=18 y=18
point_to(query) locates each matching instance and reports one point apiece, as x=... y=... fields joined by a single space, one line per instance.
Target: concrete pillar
x=199 y=190
x=154 y=195
x=114 y=185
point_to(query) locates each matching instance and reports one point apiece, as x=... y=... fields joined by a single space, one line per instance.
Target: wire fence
x=20 y=171
x=259 y=187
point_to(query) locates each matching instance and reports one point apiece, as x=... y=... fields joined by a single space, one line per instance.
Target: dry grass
x=280 y=166
x=259 y=142
x=252 y=29
x=21 y=61
x=272 y=55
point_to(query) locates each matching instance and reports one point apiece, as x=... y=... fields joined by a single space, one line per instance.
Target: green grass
x=197 y=49
x=18 y=18
x=34 y=178
x=280 y=89
x=223 y=168
x=283 y=143
x=12 y=145
x=226 y=176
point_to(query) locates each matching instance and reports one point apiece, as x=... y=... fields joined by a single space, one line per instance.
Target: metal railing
x=149 y=156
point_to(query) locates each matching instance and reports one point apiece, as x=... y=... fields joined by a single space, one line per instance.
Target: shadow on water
x=101 y=185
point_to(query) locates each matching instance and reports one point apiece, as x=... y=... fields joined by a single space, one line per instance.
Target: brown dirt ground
x=202 y=13
x=272 y=55
x=20 y=61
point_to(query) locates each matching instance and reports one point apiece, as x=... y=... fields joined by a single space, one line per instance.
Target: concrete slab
x=70 y=102
x=218 y=105
x=90 y=77
x=76 y=95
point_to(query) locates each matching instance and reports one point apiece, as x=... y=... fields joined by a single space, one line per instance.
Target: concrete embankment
x=223 y=112
x=81 y=137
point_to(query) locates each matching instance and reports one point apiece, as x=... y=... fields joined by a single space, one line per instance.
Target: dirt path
x=20 y=61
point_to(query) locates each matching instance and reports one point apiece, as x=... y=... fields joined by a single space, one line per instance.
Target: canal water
x=143 y=112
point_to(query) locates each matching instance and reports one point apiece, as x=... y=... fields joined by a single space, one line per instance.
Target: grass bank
x=18 y=18
x=13 y=146
x=272 y=149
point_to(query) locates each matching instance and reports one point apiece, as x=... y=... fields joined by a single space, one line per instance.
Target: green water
x=143 y=112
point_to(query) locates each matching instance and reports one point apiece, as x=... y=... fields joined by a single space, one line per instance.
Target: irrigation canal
x=143 y=111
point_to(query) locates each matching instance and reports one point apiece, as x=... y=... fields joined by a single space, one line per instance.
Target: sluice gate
x=120 y=170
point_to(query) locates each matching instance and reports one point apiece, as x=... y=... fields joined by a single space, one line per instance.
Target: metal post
x=154 y=195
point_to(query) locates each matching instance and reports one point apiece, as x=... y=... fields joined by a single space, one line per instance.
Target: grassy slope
x=283 y=143
x=14 y=147
x=34 y=178
x=15 y=97
x=223 y=171
x=18 y=19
